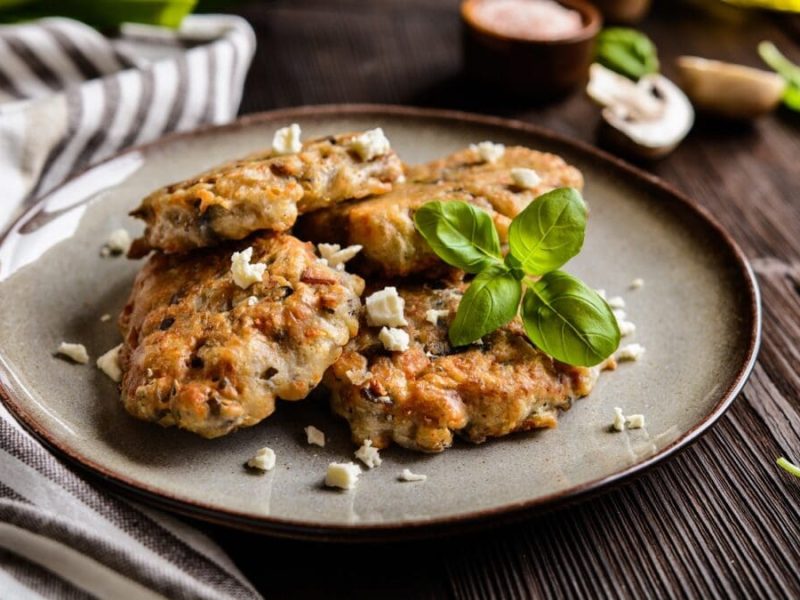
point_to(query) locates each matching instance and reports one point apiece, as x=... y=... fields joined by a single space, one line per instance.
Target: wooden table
x=718 y=520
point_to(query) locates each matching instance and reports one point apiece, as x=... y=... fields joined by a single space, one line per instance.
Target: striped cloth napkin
x=70 y=97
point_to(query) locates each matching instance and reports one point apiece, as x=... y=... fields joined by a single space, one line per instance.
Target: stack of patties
x=233 y=312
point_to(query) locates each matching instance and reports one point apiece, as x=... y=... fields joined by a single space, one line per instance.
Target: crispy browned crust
x=385 y=225
x=259 y=192
x=420 y=398
x=198 y=355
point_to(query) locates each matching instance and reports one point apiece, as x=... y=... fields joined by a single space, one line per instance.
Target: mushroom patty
x=259 y=192
x=384 y=226
x=421 y=397
x=204 y=354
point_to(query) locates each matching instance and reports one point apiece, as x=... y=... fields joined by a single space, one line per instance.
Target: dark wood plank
x=718 y=520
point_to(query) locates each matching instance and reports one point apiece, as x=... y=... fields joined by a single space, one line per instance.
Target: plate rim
x=418 y=528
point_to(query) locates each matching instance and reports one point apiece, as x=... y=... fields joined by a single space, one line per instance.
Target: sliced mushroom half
x=649 y=117
x=729 y=90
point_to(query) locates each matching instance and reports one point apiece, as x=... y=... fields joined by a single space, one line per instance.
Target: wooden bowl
x=536 y=69
x=623 y=11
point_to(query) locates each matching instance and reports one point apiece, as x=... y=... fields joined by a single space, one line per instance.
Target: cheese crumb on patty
x=358 y=376
x=76 y=352
x=371 y=144
x=263 y=459
x=489 y=151
x=109 y=364
x=369 y=455
x=287 y=140
x=244 y=273
x=527 y=179
x=394 y=340
x=105 y=318
x=342 y=475
x=386 y=307
x=631 y=352
x=335 y=255
x=433 y=315
x=119 y=242
x=407 y=475
x=314 y=436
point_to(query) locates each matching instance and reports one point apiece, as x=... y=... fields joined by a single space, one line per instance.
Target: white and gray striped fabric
x=70 y=97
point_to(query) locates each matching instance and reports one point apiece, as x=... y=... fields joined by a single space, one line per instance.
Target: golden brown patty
x=385 y=225
x=259 y=192
x=208 y=356
x=421 y=397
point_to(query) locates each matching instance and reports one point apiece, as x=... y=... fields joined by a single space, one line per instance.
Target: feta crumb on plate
x=287 y=140
x=626 y=328
x=335 y=255
x=394 y=340
x=385 y=307
x=433 y=315
x=489 y=151
x=370 y=144
x=618 y=424
x=369 y=455
x=263 y=459
x=601 y=292
x=635 y=421
x=314 y=436
x=342 y=475
x=109 y=364
x=76 y=352
x=407 y=475
x=631 y=352
x=636 y=283
x=118 y=242
x=244 y=273
x=526 y=179
x=616 y=302
x=105 y=318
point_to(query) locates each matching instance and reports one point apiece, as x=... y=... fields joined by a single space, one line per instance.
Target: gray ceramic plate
x=697 y=315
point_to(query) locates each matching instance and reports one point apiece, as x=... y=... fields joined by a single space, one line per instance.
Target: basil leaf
x=569 y=321
x=785 y=68
x=491 y=301
x=101 y=14
x=549 y=232
x=462 y=235
x=626 y=51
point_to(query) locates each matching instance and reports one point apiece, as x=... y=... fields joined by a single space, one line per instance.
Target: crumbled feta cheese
x=118 y=242
x=635 y=421
x=314 y=436
x=433 y=315
x=601 y=292
x=109 y=364
x=526 y=179
x=105 y=318
x=358 y=376
x=618 y=424
x=407 y=475
x=287 y=140
x=342 y=475
x=244 y=273
x=631 y=352
x=263 y=459
x=619 y=314
x=369 y=455
x=626 y=328
x=394 y=340
x=252 y=301
x=76 y=352
x=370 y=144
x=385 y=307
x=335 y=255
x=384 y=400
x=489 y=151
x=616 y=302
x=636 y=283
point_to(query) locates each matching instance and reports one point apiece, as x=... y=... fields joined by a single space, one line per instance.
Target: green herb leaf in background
x=627 y=51
x=101 y=14
x=462 y=235
x=569 y=320
x=788 y=467
x=491 y=301
x=785 y=68
x=549 y=232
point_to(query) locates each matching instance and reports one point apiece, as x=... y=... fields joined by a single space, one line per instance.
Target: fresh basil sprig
x=785 y=68
x=561 y=315
x=627 y=51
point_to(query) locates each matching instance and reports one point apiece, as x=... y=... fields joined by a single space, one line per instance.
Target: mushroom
x=729 y=90
x=649 y=117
